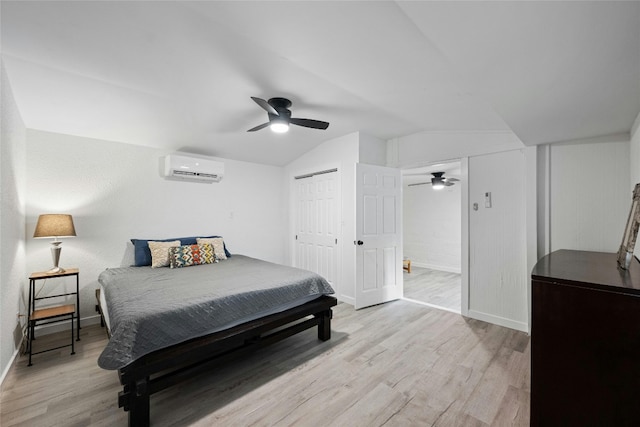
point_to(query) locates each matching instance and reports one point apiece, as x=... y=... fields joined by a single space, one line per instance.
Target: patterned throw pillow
x=160 y=252
x=217 y=243
x=185 y=256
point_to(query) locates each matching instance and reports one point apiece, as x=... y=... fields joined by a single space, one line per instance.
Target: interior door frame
x=464 y=235
x=464 y=205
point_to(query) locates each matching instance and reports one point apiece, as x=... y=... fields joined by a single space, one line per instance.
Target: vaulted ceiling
x=179 y=75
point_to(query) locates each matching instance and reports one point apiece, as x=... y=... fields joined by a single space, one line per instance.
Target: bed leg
x=135 y=400
x=324 y=327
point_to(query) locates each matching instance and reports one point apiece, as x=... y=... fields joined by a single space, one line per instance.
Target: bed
x=160 y=336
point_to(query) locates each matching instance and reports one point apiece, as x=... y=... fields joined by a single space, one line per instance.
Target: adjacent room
x=432 y=235
x=319 y=213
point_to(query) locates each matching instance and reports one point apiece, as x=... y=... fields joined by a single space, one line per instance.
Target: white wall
x=590 y=194
x=432 y=232
x=372 y=151
x=12 y=207
x=115 y=192
x=635 y=161
x=498 y=271
x=497 y=289
x=341 y=153
x=429 y=147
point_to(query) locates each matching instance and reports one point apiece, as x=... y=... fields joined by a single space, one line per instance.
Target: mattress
x=153 y=308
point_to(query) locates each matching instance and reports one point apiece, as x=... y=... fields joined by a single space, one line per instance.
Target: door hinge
x=296 y=237
x=336 y=241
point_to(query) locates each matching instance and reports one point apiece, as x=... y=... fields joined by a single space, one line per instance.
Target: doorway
x=432 y=235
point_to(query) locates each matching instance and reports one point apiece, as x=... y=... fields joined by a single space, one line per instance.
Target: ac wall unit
x=193 y=168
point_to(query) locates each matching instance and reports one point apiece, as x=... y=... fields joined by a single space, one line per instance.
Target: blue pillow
x=142 y=253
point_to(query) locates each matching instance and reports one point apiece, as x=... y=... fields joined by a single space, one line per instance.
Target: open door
x=378 y=235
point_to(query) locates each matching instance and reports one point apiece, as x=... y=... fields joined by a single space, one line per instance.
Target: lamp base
x=55 y=254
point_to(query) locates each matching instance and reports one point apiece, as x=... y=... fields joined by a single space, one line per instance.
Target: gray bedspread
x=152 y=308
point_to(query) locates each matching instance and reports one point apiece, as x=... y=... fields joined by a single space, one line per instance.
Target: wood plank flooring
x=396 y=364
x=440 y=288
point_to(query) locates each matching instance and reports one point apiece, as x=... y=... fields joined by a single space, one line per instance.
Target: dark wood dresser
x=585 y=341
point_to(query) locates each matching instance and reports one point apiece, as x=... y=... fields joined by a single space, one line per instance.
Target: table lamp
x=55 y=225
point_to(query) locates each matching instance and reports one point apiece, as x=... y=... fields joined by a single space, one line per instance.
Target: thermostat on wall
x=487 y=199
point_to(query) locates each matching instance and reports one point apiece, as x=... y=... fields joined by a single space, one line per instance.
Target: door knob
x=360 y=243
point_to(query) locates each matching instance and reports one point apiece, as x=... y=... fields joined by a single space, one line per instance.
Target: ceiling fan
x=280 y=116
x=438 y=181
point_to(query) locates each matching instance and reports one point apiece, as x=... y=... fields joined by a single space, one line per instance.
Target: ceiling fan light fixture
x=437 y=183
x=279 y=126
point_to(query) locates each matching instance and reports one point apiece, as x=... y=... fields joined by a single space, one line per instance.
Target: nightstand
x=53 y=314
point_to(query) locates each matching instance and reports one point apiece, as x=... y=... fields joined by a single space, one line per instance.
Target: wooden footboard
x=166 y=367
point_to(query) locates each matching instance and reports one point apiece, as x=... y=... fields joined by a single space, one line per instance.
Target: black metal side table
x=52 y=314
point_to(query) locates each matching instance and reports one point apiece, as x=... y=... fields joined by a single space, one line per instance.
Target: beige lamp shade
x=54 y=225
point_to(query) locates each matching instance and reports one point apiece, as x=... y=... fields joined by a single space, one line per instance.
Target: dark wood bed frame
x=166 y=367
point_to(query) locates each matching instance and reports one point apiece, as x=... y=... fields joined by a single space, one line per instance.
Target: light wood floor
x=396 y=364
x=435 y=287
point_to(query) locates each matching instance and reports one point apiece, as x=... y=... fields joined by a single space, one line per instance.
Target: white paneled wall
x=432 y=227
x=590 y=194
x=498 y=275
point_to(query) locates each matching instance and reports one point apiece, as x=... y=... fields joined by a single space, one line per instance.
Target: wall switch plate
x=487 y=199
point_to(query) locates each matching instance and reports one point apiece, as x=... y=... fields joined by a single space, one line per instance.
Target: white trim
x=531 y=215
x=436 y=267
x=346 y=300
x=439 y=307
x=464 y=202
x=500 y=321
x=635 y=126
x=10 y=364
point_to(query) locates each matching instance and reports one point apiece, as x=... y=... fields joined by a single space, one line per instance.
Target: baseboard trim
x=347 y=300
x=10 y=364
x=500 y=321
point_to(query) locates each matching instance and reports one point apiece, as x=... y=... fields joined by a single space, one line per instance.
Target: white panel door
x=378 y=235
x=317 y=225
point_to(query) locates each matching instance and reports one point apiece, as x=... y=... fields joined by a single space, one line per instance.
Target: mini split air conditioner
x=187 y=168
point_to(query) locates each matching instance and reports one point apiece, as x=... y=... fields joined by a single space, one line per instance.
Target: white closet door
x=317 y=224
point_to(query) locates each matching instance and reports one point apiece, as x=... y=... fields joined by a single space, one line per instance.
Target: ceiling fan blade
x=265 y=105
x=419 y=183
x=309 y=123
x=448 y=184
x=451 y=179
x=262 y=126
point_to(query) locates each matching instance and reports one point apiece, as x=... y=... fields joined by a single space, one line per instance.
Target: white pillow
x=160 y=252
x=217 y=243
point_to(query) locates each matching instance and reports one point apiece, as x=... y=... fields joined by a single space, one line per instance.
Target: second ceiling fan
x=280 y=116
x=438 y=181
